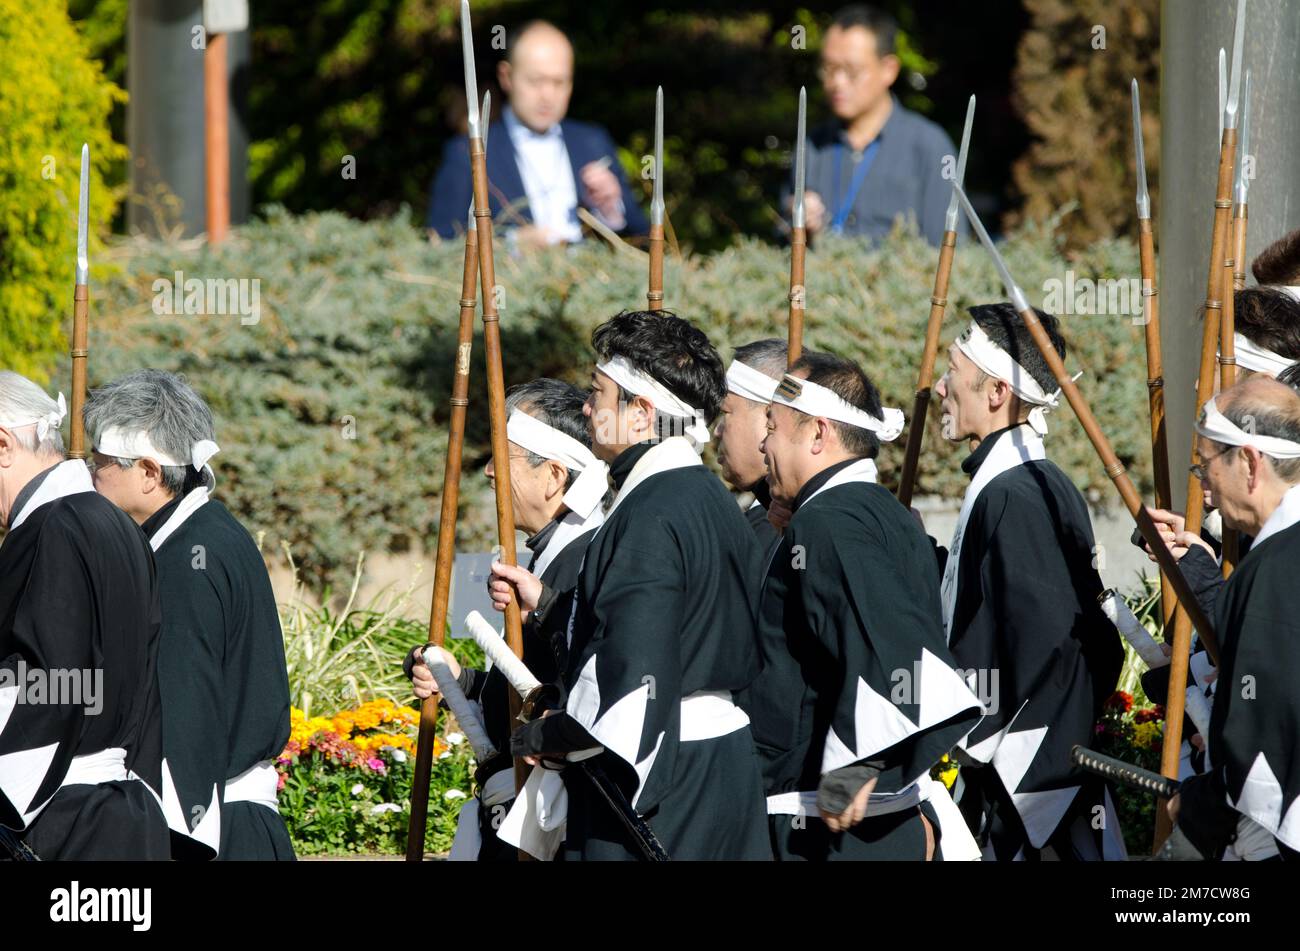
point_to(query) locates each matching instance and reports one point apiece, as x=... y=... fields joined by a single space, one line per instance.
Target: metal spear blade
x=1234 y=88
x=950 y=222
x=471 y=82
x=1243 y=145
x=1013 y=290
x=484 y=125
x=800 y=157
x=1143 y=196
x=1223 y=89
x=83 y=218
x=657 y=199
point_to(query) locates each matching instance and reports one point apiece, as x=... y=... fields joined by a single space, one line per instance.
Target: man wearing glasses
x=876 y=161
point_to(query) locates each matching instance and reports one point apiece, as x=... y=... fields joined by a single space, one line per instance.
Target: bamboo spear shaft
x=798 y=239
x=1155 y=358
x=1233 y=279
x=938 y=305
x=80 y=314
x=655 y=294
x=447 y=521
x=492 y=345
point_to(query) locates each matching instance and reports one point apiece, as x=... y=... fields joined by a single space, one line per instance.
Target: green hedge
x=358 y=324
x=53 y=98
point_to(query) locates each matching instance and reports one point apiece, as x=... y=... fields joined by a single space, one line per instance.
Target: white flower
x=399 y=756
x=455 y=739
x=444 y=754
x=453 y=794
x=383 y=807
x=358 y=789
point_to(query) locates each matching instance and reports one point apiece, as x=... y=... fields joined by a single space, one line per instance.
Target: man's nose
x=489 y=471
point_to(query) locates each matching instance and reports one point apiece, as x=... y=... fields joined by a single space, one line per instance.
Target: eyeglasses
x=1199 y=469
x=827 y=71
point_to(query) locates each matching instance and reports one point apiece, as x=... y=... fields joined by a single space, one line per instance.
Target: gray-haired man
x=221 y=668
x=79 y=628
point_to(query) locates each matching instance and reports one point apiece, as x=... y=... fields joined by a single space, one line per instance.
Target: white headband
x=639 y=383
x=744 y=380
x=528 y=432
x=1254 y=357
x=996 y=362
x=1215 y=426
x=51 y=420
x=816 y=400
x=123 y=444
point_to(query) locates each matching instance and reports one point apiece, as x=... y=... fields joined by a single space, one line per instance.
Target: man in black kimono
x=858 y=697
x=79 y=620
x=662 y=627
x=1019 y=595
x=752 y=377
x=557 y=487
x=1249 y=443
x=221 y=667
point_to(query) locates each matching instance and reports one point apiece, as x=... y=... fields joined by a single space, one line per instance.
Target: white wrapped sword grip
x=499 y=653
x=460 y=705
x=1132 y=630
x=1197 y=708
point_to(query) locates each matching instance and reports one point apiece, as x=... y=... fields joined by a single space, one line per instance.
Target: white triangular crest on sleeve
x=943 y=694
x=987 y=748
x=1261 y=799
x=8 y=700
x=21 y=775
x=1015 y=754
x=620 y=728
x=879 y=723
x=1041 y=812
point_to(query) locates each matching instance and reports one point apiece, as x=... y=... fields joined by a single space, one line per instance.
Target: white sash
x=466 y=844
x=256 y=784
x=70 y=477
x=570 y=527
x=187 y=507
x=1012 y=449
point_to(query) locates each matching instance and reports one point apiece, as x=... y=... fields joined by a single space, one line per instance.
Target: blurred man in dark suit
x=540 y=164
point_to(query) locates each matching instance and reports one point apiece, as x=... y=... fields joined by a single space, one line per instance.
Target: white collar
x=675 y=452
x=70 y=477
x=518 y=131
x=1284 y=516
x=571 y=526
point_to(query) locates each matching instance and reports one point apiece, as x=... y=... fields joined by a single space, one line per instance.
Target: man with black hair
x=556 y=487
x=875 y=161
x=850 y=632
x=221 y=665
x=1267 y=337
x=1019 y=595
x=1249 y=442
x=662 y=631
x=1279 y=263
x=755 y=371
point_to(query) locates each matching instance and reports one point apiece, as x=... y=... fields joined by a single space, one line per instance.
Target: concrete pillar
x=164 y=118
x=1191 y=32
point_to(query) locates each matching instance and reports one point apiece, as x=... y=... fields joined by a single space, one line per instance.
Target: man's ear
x=153 y=477
x=890 y=66
x=1254 y=463
x=821 y=436
x=999 y=394
x=503 y=76
x=644 y=420
x=8 y=447
x=557 y=475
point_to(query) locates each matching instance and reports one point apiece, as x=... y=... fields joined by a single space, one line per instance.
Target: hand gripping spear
x=447 y=521
x=1132 y=501
x=1155 y=360
x=492 y=346
x=655 y=294
x=531 y=690
x=80 y=314
x=938 y=304
x=1233 y=280
x=798 y=238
